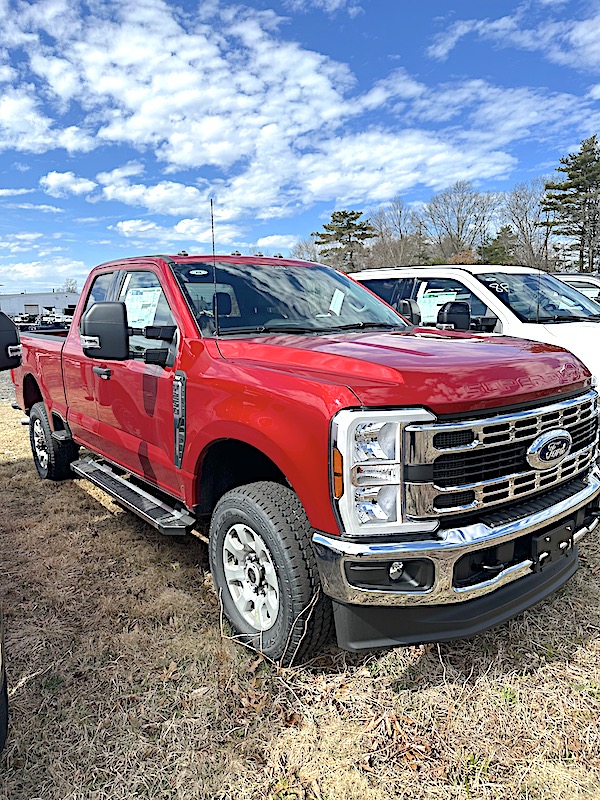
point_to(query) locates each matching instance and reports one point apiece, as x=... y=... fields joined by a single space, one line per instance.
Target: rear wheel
x=52 y=457
x=265 y=573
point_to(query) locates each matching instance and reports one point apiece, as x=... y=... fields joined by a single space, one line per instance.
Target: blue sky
x=119 y=121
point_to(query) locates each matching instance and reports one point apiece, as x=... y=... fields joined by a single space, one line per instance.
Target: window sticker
x=431 y=301
x=141 y=305
x=336 y=302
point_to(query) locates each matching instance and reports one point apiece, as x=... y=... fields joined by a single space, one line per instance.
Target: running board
x=167 y=520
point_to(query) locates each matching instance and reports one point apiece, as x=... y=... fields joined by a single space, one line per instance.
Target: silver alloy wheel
x=39 y=442
x=251 y=577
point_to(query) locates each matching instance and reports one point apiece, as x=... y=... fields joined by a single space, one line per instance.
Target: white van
x=515 y=301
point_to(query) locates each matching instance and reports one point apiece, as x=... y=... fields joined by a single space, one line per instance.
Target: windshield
x=229 y=298
x=539 y=297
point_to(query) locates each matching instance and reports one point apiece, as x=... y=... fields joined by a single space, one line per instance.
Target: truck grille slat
x=481 y=463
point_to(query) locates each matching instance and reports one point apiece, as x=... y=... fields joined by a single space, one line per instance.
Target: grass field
x=123 y=683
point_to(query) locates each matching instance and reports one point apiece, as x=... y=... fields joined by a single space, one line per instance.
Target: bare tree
x=70 y=285
x=397 y=232
x=459 y=218
x=305 y=249
x=523 y=210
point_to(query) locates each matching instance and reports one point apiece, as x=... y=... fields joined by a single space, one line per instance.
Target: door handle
x=104 y=372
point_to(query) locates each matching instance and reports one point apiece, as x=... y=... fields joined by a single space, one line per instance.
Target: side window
x=585 y=287
x=390 y=289
x=146 y=305
x=99 y=289
x=432 y=293
x=383 y=287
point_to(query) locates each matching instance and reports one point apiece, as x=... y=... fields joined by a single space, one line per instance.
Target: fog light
x=396 y=570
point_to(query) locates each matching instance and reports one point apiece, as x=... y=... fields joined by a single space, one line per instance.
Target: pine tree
x=573 y=205
x=342 y=240
x=501 y=249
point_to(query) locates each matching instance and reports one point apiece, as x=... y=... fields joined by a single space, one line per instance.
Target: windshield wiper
x=363 y=325
x=258 y=329
x=277 y=327
x=568 y=318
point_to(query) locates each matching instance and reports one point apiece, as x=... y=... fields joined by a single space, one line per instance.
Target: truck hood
x=581 y=338
x=447 y=372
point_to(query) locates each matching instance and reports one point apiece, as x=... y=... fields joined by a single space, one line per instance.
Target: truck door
x=432 y=293
x=134 y=400
x=78 y=375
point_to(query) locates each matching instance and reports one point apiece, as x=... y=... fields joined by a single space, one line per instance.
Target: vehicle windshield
x=539 y=297
x=229 y=298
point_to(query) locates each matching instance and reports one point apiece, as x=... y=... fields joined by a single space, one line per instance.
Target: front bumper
x=337 y=559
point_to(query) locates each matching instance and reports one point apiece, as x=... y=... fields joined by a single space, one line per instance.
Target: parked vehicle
x=589 y=285
x=405 y=487
x=514 y=301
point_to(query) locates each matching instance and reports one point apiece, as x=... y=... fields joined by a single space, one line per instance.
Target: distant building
x=37 y=302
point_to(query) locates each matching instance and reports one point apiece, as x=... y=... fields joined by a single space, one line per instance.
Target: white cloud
x=14 y=192
x=40 y=274
x=277 y=242
x=328 y=6
x=185 y=233
x=232 y=110
x=45 y=209
x=63 y=184
x=569 y=42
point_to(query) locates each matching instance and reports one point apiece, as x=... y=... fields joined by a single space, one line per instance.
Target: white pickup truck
x=515 y=301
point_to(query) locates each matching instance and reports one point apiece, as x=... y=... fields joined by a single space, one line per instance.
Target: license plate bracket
x=553 y=545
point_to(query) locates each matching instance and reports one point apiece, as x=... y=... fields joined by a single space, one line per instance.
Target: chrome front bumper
x=333 y=554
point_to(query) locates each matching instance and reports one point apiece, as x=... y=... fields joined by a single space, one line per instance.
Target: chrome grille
x=477 y=464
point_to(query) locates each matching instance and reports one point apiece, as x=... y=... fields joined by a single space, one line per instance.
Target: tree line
x=549 y=224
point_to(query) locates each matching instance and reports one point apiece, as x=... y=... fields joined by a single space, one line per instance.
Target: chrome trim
x=421 y=497
x=420 y=449
x=507 y=575
x=92 y=342
x=332 y=554
x=521 y=427
x=14 y=350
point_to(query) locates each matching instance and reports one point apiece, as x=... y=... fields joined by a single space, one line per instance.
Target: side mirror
x=10 y=344
x=484 y=324
x=158 y=355
x=104 y=333
x=166 y=333
x=410 y=309
x=455 y=315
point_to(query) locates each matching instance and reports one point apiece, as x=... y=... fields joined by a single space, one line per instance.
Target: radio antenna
x=215 y=298
x=212 y=228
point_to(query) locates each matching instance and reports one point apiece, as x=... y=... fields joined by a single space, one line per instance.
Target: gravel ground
x=7 y=390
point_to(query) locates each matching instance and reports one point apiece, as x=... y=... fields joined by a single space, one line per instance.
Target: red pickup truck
x=401 y=484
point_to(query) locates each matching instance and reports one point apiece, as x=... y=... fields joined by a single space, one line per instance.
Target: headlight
x=367 y=449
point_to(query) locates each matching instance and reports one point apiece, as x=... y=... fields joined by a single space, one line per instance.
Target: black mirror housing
x=104 y=332
x=456 y=315
x=158 y=355
x=10 y=344
x=410 y=309
x=165 y=333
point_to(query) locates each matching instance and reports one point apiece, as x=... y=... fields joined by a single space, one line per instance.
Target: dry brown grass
x=122 y=687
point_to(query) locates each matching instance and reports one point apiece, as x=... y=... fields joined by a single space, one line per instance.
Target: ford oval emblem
x=549 y=449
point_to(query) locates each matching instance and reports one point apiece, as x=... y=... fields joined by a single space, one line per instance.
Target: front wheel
x=265 y=573
x=52 y=458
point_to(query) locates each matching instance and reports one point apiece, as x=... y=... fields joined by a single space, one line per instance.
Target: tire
x=51 y=457
x=265 y=573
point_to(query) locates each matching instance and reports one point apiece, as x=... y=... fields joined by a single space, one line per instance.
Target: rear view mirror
x=455 y=315
x=10 y=347
x=104 y=333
